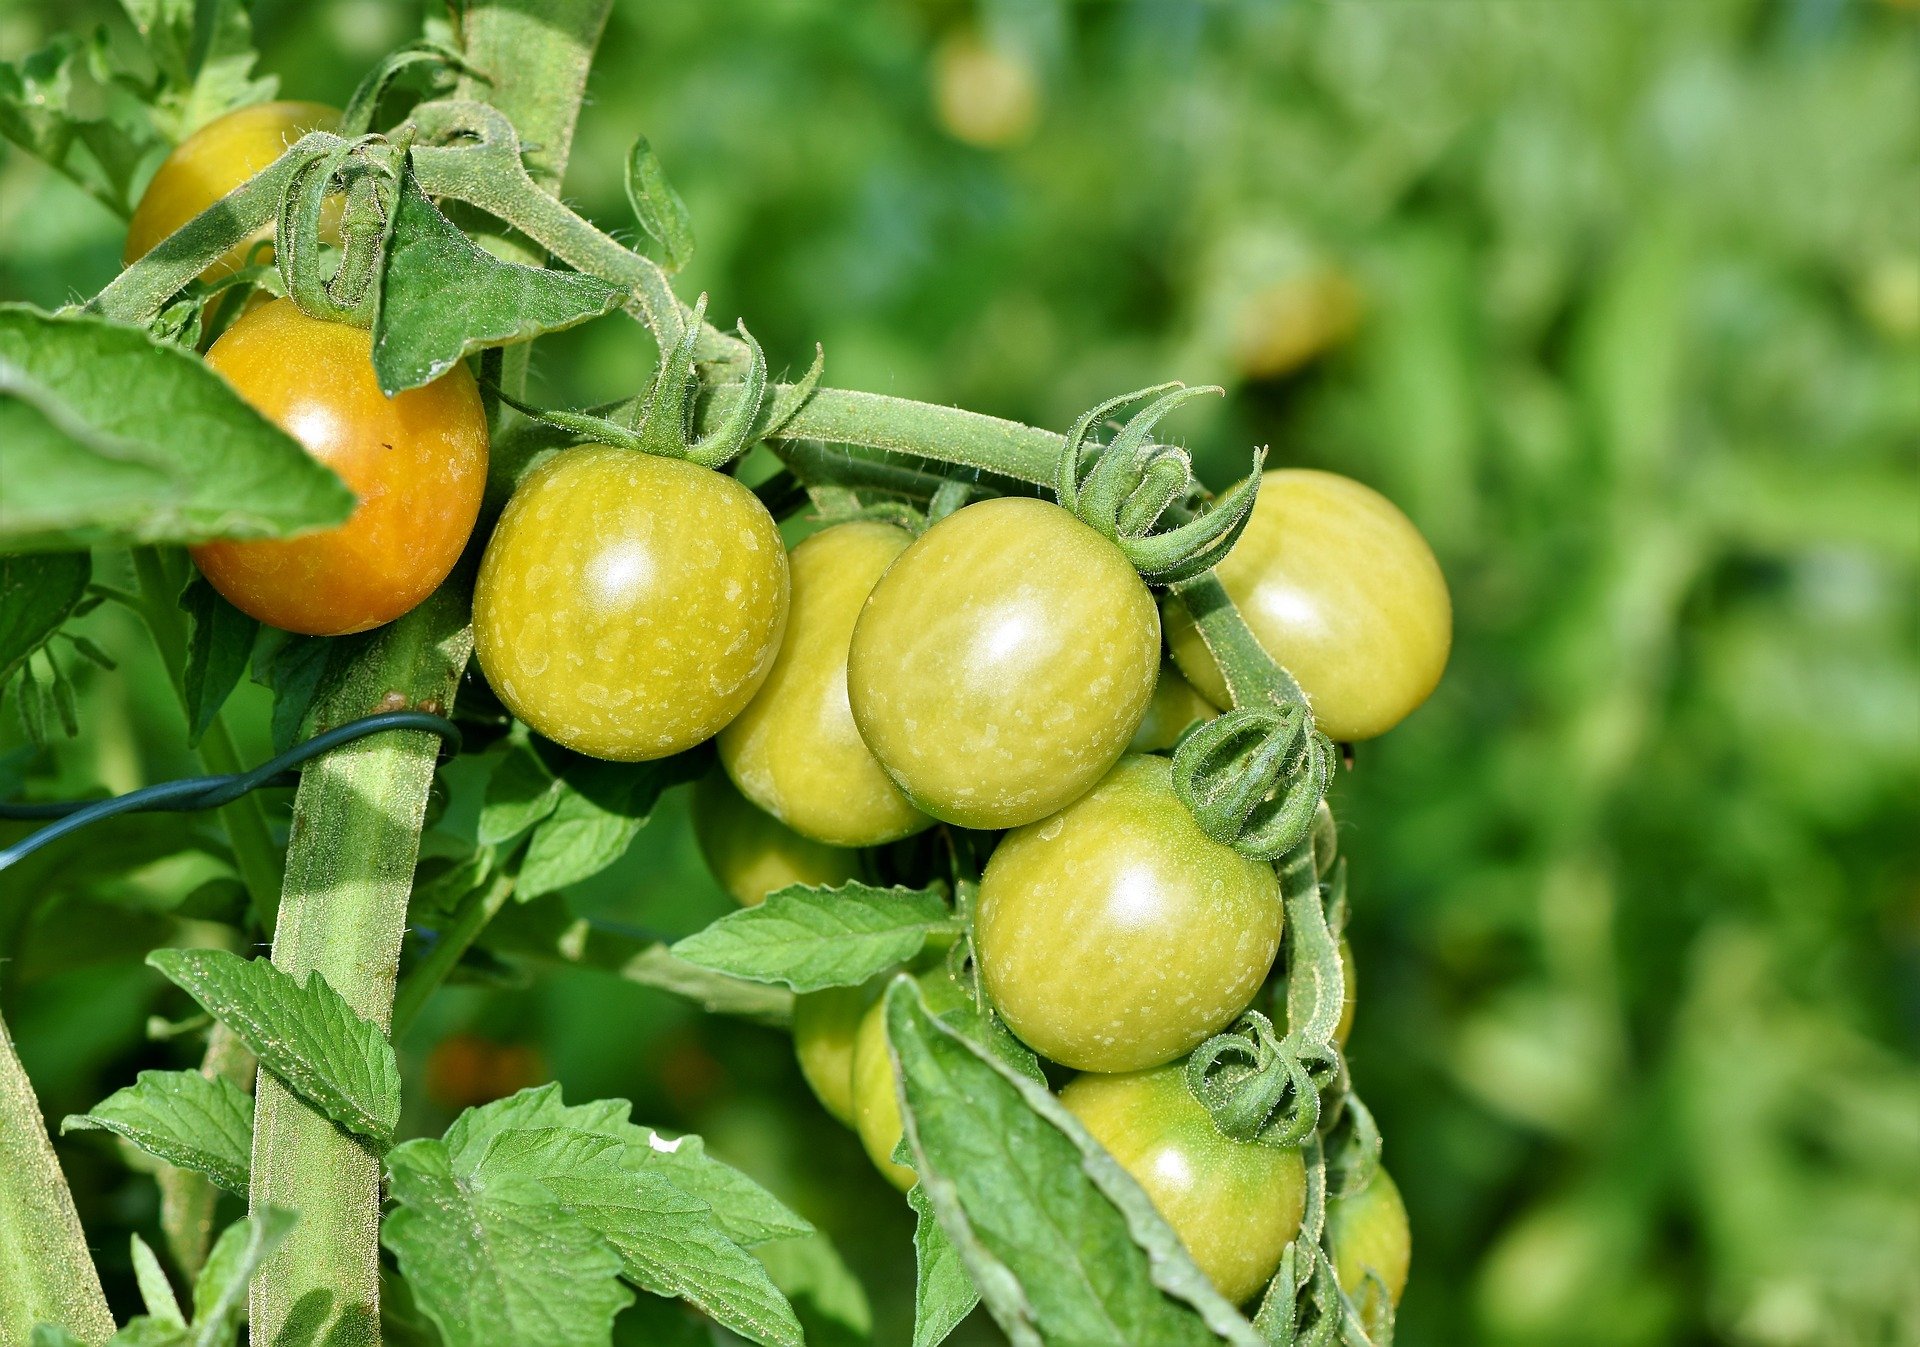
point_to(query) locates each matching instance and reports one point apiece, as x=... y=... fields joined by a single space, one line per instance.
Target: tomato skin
x=1175 y=706
x=795 y=750
x=1115 y=935
x=876 y=1101
x=1003 y=662
x=752 y=853
x=212 y=162
x=1368 y=1232
x=825 y=1027
x=1340 y=588
x=629 y=605
x=1234 y=1204
x=417 y=461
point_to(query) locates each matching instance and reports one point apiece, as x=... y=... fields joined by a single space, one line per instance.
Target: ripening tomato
x=418 y=462
x=876 y=1100
x=1174 y=707
x=825 y=1024
x=629 y=605
x=795 y=750
x=752 y=853
x=1116 y=935
x=1340 y=588
x=1368 y=1232
x=212 y=162
x=1003 y=662
x=1234 y=1204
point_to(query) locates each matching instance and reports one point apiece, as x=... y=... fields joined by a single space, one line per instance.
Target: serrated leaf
x=308 y=1036
x=156 y=1292
x=501 y=1263
x=220 y=1291
x=108 y=436
x=519 y=794
x=55 y=104
x=657 y=206
x=37 y=594
x=601 y=808
x=1061 y=1243
x=204 y=51
x=196 y=1122
x=668 y=1241
x=443 y=298
x=219 y=643
x=943 y=1293
x=812 y=938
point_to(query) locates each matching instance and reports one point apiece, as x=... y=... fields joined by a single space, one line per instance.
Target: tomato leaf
x=37 y=594
x=442 y=297
x=812 y=938
x=93 y=132
x=831 y=1303
x=520 y=792
x=219 y=643
x=943 y=1293
x=1062 y=1244
x=657 y=206
x=308 y=1036
x=601 y=808
x=292 y=666
x=108 y=436
x=205 y=55
x=220 y=1291
x=187 y=1119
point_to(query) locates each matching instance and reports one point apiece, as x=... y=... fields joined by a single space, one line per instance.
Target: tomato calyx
x=1258 y=1086
x=1126 y=488
x=1253 y=777
x=367 y=171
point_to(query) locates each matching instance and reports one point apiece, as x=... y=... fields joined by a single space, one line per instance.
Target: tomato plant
x=1003 y=662
x=1115 y=935
x=1235 y=1204
x=754 y=854
x=629 y=606
x=418 y=463
x=1339 y=587
x=795 y=751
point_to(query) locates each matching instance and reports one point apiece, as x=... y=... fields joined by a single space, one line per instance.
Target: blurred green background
x=1620 y=301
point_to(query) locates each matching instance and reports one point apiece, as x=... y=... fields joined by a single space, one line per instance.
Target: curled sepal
x=1257 y=1086
x=1253 y=777
x=1354 y=1149
x=436 y=60
x=666 y=427
x=366 y=172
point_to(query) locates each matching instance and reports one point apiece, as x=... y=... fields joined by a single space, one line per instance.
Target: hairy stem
x=46 y=1273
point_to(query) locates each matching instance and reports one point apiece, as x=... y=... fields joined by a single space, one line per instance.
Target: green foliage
x=811 y=938
x=187 y=1119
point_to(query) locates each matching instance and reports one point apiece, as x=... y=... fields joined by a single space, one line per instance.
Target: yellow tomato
x=212 y=162
x=418 y=463
x=753 y=854
x=1368 y=1232
x=825 y=1024
x=1175 y=706
x=984 y=95
x=1340 y=588
x=629 y=605
x=795 y=750
x=1234 y=1204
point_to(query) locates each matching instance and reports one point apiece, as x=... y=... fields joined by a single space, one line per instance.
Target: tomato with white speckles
x=1234 y=1204
x=1340 y=588
x=754 y=854
x=417 y=461
x=629 y=605
x=876 y=1098
x=1116 y=935
x=1003 y=662
x=795 y=750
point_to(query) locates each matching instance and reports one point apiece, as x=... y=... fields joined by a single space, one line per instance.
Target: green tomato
x=629 y=605
x=1340 y=588
x=1174 y=707
x=876 y=1099
x=753 y=854
x=1116 y=935
x=1368 y=1232
x=1234 y=1204
x=795 y=750
x=1003 y=662
x=824 y=1026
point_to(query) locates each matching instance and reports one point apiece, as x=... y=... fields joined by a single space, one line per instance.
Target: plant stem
x=46 y=1273
x=1252 y=676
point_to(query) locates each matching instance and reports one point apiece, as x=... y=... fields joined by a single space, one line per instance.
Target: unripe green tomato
x=1116 y=935
x=417 y=461
x=629 y=605
x=1175 y=706
x=795 y=750
x=876 y=1101
x=1325 y=834
x=212 y=162
x=824 y=1026
x=1350 y=997
x=1368 y=1233
x=754 y=854
x=1340 y=588
x=1234 y=1204
x=1003 y=662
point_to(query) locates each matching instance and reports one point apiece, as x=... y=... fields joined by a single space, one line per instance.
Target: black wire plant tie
x=208 y=792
